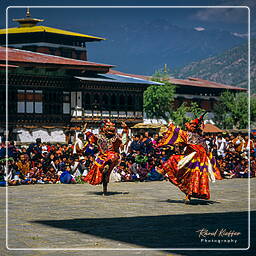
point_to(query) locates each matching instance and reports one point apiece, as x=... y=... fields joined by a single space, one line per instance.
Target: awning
x=147 y=126
x=237 y=131
x=210 y=128
x=161 y=128
x=111 y=78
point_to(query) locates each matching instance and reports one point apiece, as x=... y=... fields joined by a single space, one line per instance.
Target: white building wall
x=24 y=135
x=58 y=135
x=46 y=135
x=40 y=133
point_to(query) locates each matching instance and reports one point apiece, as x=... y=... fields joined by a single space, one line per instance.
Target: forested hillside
x=230 y=67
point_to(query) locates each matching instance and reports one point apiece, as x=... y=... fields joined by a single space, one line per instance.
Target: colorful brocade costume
x=192 y=170
x=107 y=159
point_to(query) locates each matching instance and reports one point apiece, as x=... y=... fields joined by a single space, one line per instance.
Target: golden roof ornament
x=28 y=12
x=165 y=68
x=28 y=21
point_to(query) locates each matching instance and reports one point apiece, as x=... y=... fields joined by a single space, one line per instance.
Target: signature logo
x=222 y=235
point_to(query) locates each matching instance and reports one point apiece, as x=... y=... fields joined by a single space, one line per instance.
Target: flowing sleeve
x=173 y=135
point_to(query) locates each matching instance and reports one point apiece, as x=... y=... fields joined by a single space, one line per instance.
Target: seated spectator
x=76 y=167
x=36 y=149
x=221 y=146
x=115 y=175
x=239 y=143
x=23 y=166
x=135 y=145
x=66 y=177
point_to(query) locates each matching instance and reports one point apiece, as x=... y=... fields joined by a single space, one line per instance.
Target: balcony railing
x=194 y=96
x=98 y=115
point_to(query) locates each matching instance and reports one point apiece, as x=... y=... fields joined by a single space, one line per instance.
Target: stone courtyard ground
x=134 y=216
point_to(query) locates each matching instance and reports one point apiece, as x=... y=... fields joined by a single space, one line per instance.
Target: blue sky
x=234 y=20
x=99 y=21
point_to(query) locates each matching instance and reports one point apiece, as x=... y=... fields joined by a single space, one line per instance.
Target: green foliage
x=158 y=99
x=253 y=111
x=79 y=180
x=232 y=110
x=186 y=112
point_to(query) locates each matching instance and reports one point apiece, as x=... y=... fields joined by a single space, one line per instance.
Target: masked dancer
x=108 y=143
x=193 y=167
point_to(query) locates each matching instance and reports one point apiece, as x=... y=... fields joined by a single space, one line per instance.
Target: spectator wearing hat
x=35 y=149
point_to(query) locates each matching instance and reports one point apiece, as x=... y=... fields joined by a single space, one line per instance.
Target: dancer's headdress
x=108 y=127
x=195 y=125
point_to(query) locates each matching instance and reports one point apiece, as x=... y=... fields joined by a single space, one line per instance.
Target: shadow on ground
x=164 y=231
x=192 y=202
x=108 y=193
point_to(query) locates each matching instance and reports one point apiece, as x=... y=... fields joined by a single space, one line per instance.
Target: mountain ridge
x=229 y=67
x=145 y=47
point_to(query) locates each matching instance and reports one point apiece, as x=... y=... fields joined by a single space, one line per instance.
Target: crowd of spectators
x=139 y=159
x=232 y=153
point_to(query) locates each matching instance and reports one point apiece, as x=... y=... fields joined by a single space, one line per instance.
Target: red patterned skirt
x=193 y=177
x=95 y=175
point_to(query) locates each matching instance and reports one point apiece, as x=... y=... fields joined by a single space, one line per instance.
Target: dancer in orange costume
x=191 y=170
x=108 y=142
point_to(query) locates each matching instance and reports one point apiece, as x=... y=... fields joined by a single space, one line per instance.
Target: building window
x=29 y=107
x=66 y=102
x=30 y=101
x=130 y=101
x=21 y=107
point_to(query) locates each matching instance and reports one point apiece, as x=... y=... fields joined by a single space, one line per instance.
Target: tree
x=232 y=110
x=186 y=112
x=253 y=111
x=158 y=99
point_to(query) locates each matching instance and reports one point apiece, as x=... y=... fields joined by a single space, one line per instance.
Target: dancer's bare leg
x=106 y=173
x=105 y=188
x=105 y=180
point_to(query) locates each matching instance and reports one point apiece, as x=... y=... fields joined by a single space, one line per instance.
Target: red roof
x=198 y=82
x=191 y=81
x=2 y=66
x=20 y=56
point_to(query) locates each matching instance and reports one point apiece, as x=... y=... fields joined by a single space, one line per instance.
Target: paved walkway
x=134 y=215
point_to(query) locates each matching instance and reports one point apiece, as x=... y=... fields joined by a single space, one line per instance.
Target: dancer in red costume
x=108 y=142
x=191 y=170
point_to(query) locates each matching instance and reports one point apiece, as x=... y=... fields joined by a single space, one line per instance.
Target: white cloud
x=199 y=28
x=239 y=35
x=229 y=15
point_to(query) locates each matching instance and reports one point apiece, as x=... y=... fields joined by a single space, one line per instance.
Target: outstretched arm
x=173 y=136
x=84 y=128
